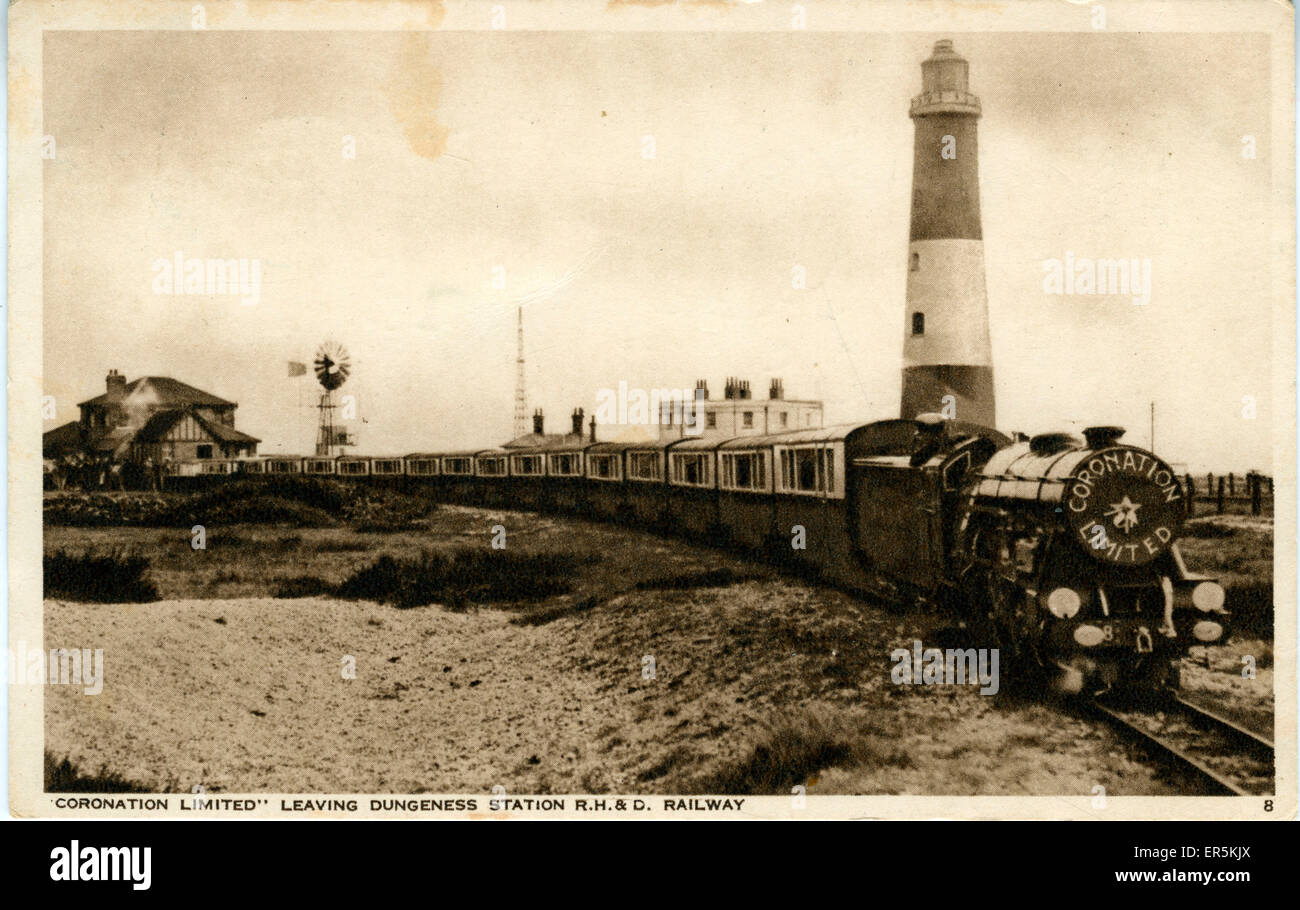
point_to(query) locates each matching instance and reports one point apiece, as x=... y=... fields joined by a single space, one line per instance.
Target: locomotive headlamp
x=1207 y=631
x=1064 y=603
x=1208 y=597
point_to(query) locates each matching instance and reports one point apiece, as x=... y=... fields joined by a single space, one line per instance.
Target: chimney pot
x=537 y=421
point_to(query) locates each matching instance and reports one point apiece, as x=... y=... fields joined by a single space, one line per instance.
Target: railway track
x=1222 y=756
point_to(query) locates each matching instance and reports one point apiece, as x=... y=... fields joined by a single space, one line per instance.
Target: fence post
x=1191 y=497
x=1220 y=495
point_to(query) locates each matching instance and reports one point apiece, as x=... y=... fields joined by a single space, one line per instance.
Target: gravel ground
x=248 y=694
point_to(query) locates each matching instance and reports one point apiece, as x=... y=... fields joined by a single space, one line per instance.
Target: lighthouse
x=947 y=360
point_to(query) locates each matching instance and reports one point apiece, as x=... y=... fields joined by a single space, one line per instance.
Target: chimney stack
x=537 y=421
x=777 y=390
x=577 y=422
x=701 y=390
x=745 y=393
x=593 y=427
x=116 y=384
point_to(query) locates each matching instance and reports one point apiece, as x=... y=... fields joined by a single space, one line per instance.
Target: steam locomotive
x=1062 y=550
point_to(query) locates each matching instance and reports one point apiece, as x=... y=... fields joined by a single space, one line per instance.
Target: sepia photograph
x=652 y=411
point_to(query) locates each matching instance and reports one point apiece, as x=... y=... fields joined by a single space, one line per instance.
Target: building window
x=712 y=420
x=785 y=419
x=203 y=452
x=918 y=323
x=916 y=262
x=748 y=419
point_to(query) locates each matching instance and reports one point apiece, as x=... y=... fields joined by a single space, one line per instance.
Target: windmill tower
x=521 y=399
x=332 y=367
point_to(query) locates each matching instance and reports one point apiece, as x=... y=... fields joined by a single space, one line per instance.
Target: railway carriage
x=318 y=465
x=492 y=468
x=566 y=487
x=692 y=488
x=353 y=466
x=456 y=473
x=421 y=466
x=606 y=489
x=387 y=466
x=644 y=472
x=746 y=507
x=528 y=476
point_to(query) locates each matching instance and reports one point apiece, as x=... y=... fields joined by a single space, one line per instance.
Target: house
x=152 y=418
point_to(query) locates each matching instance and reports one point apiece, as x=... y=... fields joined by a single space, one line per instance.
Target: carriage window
x=492 y=467
x=806 y=470
x=458 y=465
x=643 y=465
x=691 y=469
x=603 y=466
x=744 y=471
x=564 y=464
x=528 y=464
x=918 y=323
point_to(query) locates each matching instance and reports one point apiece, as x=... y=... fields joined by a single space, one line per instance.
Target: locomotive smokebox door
x=1124 y=505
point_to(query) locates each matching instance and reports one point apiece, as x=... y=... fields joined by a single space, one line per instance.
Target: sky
x=523 y=154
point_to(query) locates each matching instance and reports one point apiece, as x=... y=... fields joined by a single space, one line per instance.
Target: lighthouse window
x=916 y=262
x=918 y=323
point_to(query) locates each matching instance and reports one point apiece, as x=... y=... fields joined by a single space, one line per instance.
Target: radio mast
x=521 y=398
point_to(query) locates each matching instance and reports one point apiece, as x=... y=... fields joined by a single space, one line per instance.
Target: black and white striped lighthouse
x=947 y=361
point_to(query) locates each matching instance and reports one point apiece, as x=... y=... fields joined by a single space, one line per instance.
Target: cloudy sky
x=522 y=151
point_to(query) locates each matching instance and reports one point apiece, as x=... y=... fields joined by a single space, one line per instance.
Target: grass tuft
x=112 y=577
x=795 y=749
x=461 y=577
x=709 y=578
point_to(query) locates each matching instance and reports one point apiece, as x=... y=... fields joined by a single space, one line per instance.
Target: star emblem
x=1125 y=514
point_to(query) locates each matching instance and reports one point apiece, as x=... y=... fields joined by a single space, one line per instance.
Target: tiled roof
x=170 y=393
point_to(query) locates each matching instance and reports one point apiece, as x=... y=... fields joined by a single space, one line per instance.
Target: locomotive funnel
x=947 y=360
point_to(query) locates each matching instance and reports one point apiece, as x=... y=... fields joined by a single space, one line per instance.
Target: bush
x=303 y=586
x=461 y=577
x=108 y=578
x=65 y=777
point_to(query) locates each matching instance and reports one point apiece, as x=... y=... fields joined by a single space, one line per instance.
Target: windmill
x=332 y=367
